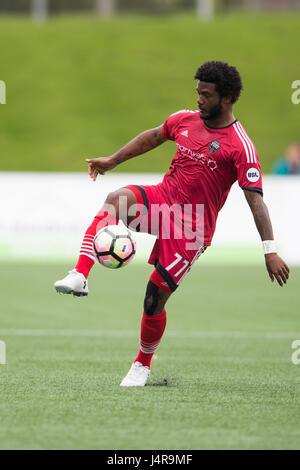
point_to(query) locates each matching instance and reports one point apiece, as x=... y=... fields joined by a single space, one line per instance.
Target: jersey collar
x=218 y=128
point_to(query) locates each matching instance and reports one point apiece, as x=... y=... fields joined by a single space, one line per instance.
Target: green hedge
x=80 y=86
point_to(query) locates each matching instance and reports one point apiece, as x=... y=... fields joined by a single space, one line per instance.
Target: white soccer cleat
x=74 y=283
x=137 y=376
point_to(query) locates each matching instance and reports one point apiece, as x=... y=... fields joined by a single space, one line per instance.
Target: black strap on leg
x=151 y=298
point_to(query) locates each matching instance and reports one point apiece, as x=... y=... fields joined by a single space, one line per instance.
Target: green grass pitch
x=226 y=355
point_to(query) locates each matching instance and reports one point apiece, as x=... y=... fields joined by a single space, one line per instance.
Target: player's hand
x=100 y=166
x=277 y=268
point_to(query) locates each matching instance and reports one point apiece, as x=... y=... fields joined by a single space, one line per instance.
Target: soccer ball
x=114 y=246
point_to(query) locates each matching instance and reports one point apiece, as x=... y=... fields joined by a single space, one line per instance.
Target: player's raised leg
x=152 y=329
x=116 y=204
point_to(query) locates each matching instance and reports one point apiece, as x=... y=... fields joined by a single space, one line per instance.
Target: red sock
x=152 y=330
x=87 y=258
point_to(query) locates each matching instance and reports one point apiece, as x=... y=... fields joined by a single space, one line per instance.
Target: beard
x=214 y=112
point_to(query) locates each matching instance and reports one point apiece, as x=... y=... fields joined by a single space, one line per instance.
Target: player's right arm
x=142 y=143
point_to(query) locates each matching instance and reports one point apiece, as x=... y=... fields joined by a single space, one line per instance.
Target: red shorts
x=175 y=249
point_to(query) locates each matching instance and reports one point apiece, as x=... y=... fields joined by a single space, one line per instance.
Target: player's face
x=209 y=100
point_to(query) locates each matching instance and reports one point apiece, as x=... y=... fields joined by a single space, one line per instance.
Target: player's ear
x=227 y=100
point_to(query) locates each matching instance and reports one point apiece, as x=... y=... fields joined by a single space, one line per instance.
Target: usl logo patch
x=214 y=146
x=253 y=175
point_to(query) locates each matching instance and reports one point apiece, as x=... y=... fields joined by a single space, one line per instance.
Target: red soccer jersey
x=207 y=162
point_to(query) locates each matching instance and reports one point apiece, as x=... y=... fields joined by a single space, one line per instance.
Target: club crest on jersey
x=253 y=175
x=213 y=147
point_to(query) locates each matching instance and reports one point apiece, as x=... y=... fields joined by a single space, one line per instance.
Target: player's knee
x=113 y=199
x=112 y=203
x=151 y=299
x=117 y=203
x=155 y=299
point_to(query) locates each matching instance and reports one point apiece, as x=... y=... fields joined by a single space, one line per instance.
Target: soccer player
x=213 y=151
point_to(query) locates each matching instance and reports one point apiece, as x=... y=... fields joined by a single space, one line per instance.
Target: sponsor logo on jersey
x=198 y=157
x=253 y=175
x=214 y=146
x=185 y=133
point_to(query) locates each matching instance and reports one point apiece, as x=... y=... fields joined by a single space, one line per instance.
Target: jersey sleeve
x=247 y=166
x=170 y=125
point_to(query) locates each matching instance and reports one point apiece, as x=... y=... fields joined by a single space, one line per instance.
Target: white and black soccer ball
x=114 y=246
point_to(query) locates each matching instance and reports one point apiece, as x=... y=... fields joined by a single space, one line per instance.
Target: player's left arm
x=276 y=267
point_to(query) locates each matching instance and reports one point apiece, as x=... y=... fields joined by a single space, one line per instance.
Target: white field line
x=134 y=334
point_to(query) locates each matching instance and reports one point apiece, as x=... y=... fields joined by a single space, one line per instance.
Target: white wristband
x=269 y=246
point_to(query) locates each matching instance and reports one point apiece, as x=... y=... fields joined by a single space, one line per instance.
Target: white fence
x=44 y=216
